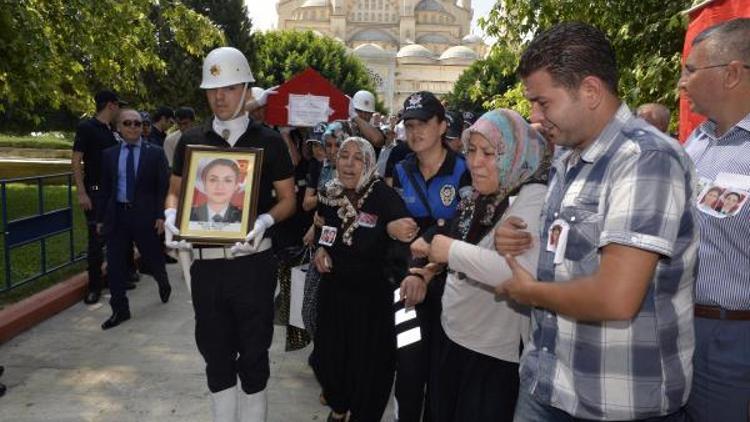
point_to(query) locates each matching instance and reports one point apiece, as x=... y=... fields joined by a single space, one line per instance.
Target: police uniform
x=427 y=201
x=233 y=295
x=92 y=138
x=441 y=194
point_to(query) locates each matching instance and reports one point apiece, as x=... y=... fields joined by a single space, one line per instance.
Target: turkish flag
x=703 y=16
x=309 y=82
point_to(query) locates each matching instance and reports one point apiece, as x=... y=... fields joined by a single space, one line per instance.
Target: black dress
x=355 y=338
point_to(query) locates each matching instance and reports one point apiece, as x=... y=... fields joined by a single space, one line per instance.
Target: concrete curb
x=29 y=312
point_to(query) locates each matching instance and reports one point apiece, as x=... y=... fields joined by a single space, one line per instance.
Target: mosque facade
x=407 y=45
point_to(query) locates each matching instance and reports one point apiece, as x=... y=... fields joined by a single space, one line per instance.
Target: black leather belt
x=94 y=188
x=125 y=205
x=716 y=312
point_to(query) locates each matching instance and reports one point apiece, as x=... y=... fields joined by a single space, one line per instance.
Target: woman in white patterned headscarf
x=354 y=339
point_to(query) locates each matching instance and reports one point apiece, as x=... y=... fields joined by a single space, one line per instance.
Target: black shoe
x=2 y=370
x=169 y=260
x=116 y=319
x=2 y=390
x=130 y=286
x=135 y=277
x=92 y=297
x=164 y=291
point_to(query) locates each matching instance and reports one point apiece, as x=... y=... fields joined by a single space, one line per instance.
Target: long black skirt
x=355 y=344
x=469 y=386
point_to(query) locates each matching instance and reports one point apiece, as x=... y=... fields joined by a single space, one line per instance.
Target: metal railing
x=37 y=227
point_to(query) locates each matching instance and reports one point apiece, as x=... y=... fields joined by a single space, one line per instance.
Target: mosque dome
x=459 y=52
x=472 y=39
x=414 y=50
x=371 y=50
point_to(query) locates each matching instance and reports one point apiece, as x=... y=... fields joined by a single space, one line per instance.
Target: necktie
x=130 y=174
x=218 y=219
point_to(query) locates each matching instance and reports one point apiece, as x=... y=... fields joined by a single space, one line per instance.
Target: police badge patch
x=447 y=194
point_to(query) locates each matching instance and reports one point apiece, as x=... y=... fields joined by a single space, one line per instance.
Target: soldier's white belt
x=226 y=252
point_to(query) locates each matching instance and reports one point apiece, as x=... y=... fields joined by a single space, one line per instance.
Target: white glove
x=352 y=111
x=170 y=230
x=263 y=100
x=262 y=223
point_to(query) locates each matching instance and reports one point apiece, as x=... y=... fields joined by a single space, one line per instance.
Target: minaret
x=407 y=24
x=338 y=19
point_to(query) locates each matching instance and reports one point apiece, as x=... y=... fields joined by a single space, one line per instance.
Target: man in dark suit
x=134 y=184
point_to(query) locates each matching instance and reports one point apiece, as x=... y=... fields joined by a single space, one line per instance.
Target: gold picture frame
x=219 y=194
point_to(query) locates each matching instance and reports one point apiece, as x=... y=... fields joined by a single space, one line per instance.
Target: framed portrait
x=219 y=198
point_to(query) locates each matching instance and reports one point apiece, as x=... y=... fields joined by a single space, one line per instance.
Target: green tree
x=282 y=54
x=647 y=36
x=483 y=80
x=178 y=85
x=54 y=54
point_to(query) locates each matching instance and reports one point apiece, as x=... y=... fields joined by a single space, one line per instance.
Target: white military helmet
x=225 y=66
x=364 y=101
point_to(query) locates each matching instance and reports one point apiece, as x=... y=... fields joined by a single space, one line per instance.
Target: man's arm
x=173 y=196
x=370 y=132
x=287 y=201
x=615 y=292
x=310 y=200
x=83 y=198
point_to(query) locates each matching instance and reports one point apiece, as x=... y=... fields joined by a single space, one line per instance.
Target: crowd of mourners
x=578 y=265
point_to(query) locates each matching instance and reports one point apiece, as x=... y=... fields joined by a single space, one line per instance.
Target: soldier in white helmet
x=361 y=109
x=233 y=288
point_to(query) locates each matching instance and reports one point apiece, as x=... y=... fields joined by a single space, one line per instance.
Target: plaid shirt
x=633 y=186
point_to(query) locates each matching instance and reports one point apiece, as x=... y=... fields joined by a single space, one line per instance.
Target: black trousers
x=413 y=361
x=233 y=303
x=468 y=386
x=95 y=249
x=129 y=228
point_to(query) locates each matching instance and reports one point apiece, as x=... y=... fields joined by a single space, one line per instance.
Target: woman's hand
x=413 y=290
x=404 y=229
x=419 y=248
x=318 y=220
x=414 y=286
x=309 y=238
x=440 y=249
x=323 y=261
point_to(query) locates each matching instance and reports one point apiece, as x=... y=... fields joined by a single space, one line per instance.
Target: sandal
x=331 y=418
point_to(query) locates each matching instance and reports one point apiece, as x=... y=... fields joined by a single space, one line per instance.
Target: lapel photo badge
x=447 y=194
x=557 y=239
x=328 y=236
x=367 y=220
x=721 y=198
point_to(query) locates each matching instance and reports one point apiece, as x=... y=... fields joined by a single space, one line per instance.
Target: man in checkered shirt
x=612 y=317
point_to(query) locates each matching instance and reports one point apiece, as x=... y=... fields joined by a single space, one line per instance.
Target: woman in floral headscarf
x=354 y=339
x=475 y=372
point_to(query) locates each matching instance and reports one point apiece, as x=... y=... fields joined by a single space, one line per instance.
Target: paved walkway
x=147 y=369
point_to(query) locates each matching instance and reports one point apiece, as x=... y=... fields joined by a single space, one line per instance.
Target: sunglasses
x=128 y=123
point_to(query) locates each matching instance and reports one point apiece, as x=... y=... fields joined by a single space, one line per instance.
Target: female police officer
x=233 y=288
x=430 y=180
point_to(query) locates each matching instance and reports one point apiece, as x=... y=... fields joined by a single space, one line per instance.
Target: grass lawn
x=42 y=142
x=23 y=201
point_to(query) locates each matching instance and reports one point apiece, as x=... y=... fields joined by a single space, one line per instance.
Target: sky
x=263 y=13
